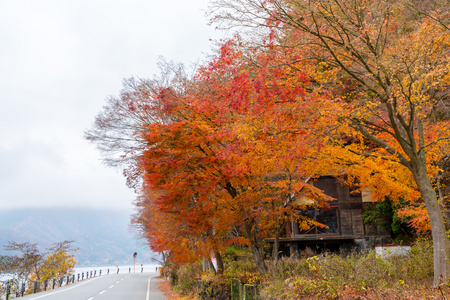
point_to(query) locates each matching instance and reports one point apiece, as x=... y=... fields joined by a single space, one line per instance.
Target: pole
x=134 y=262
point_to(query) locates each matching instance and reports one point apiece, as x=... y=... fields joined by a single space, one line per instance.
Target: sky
x=59 y=60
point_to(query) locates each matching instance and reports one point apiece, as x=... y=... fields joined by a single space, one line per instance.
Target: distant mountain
x=102 y=236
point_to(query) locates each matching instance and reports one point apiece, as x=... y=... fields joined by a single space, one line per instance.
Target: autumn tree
x=28 y=260
x=233 y=133
x=59 y=261
x=178 y=238
x=126 y=126
x=31 y=263
x=267 y=115
x=387 y=63
x=224 y=142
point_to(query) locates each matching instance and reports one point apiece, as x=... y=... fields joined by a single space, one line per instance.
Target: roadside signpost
x=134 y=262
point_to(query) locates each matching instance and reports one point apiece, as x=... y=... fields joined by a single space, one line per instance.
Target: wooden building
x=346 y=230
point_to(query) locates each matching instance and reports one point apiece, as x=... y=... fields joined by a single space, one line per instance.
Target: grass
x=329 y=276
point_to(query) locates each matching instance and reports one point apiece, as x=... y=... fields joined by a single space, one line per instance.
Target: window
x=327 y=217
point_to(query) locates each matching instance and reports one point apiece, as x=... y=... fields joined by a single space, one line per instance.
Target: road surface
x=134 y=286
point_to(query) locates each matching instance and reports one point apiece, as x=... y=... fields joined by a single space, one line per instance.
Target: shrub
x=218 y=288
x=288 y=267
x=186 y=276
x=230 y=255
x=240 y=268
x=330 y=275
x=173 y=276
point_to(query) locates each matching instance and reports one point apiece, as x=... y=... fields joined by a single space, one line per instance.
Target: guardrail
x=19 y=289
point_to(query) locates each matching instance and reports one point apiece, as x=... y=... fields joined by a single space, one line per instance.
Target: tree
x=388 y=65
x=58 y=262
x=226 y=154
x=33 y=264
x=28 y=261
x=266 y=115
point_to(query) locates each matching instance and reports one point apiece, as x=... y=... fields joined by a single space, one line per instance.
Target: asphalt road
x=134 y=286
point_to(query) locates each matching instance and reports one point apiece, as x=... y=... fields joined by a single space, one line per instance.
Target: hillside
x=103 y=237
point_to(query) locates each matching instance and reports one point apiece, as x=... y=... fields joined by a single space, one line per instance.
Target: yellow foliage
x=56 y=265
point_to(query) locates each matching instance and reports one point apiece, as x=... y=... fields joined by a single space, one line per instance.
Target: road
x=134 y=286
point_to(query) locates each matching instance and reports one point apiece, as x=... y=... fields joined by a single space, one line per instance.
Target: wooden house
x=346 y=230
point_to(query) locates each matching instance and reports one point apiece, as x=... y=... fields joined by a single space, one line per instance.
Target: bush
x=218 y=288
x=230 y=255
x=186 y=276
x=330 y=275
x=173 y=276
x=288 y=267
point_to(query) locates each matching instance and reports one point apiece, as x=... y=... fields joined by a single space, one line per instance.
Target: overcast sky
x=59 y=60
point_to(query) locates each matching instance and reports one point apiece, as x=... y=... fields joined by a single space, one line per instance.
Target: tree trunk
x=441 y=245
x=442 y=203
x=205 y=264
x=276 y=243
x=211 y=265
x=219 y=262
x=252 y=232
x=257 y=255
x=208 y=265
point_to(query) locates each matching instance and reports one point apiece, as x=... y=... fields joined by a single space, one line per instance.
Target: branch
x=434 y=142
x=381 y=143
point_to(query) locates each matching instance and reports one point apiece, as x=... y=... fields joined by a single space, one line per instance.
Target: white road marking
x=117 y=282
x=148 y=289
x=64 y=290
x=111 y=286
x=102 y=292
x=91 y=298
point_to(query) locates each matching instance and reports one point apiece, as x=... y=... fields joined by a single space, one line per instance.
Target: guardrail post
x=35 y=287
x=8 y=291
x=73 y=278
x=95 y=272
x=100 y=273
x=117 y=270
x=129 y=270
x=53 y=283
x=91 y=273
x=108 y=272
x=61 y=281
x=142 y=269
x=235 y=289
x=22 y=291
x=249 y=292
x=45 y=284
x=67 y=279
x=82 y=276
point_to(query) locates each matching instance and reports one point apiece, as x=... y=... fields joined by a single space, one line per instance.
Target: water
x=148 y=268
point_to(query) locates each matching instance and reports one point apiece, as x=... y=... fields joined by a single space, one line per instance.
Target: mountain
x=103 y=237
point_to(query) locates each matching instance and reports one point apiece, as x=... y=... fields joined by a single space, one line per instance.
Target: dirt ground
x=167 y=290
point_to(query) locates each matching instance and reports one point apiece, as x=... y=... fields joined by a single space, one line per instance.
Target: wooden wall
x=350 y=208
